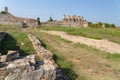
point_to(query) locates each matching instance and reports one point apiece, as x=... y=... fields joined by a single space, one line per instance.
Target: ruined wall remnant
x=8 y=18
x=47 y=58
x=69 y=21
x=16 y=67
x=19 y=68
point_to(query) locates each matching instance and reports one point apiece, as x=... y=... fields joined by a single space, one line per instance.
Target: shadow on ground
x=9 y=43
x=66 y=68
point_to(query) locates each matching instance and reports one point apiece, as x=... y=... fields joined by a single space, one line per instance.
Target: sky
x=92 y=10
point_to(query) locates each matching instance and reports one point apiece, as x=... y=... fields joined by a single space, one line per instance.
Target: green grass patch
x=17 y=41
x=115 y=57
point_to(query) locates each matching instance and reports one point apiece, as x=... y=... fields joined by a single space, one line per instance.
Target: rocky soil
x=103 y=45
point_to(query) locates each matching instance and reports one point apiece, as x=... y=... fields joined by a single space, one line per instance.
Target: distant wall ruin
x=68 y=21
x=7 y=18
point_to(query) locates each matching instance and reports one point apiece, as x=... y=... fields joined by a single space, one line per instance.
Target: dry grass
x=86 y=62
x=78 y=61
x=112 y=34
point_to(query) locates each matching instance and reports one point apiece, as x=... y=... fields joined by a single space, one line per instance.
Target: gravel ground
x=103 y=45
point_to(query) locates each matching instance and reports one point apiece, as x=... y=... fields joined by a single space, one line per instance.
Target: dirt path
x=103 y=45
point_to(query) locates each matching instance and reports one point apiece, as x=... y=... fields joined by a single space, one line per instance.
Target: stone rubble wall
x=47 y=58
x=16 y=67
x=20 y=68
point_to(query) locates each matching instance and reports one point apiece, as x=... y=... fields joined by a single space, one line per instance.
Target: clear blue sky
x=92 y=10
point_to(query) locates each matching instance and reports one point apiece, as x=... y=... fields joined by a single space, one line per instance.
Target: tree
x=2 y=12
x=112 y=25
x=38 y=20
x=90 y=24
x=107 y=25
x=99 y=24
x=50 y=20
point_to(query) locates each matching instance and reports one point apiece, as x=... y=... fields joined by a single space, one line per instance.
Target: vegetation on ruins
x=50 y=19
x=2 y=12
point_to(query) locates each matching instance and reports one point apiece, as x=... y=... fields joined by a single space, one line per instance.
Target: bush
x=50 y=20
x=2 y=12
x=24 y=25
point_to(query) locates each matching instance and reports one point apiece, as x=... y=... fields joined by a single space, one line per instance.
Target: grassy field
x=15 y=40
x=78 y=61
x=81 y=62
x=111 y=34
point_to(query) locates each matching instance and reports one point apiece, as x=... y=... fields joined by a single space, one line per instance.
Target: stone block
x=35 y=75
x=32 y=59
x=12 y=55
x=3 y=58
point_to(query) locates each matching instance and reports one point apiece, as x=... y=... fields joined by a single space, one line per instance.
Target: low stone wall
x=64 y=24
x=16 y=67
x=47 y=58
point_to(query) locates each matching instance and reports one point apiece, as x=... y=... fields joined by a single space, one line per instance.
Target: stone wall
x=8 y=18
x=16 y=67
x=47 y=58
x=70 y=21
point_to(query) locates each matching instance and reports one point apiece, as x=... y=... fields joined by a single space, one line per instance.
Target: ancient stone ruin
x=8 y=18
x=16 y=67
x=75 y=21
x=69 y=21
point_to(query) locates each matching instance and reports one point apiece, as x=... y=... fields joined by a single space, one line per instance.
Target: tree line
x=101 y=25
